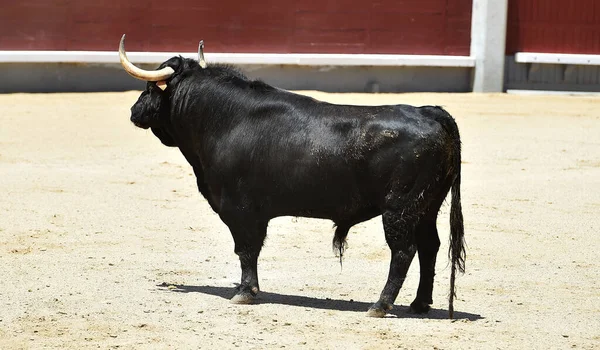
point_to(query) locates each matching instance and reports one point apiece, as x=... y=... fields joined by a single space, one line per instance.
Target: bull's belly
x=337 y=203
x=332 y=189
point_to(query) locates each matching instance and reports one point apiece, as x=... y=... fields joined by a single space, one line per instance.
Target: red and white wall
x=391 y=33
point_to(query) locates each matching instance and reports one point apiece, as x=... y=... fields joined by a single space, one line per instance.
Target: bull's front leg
x=248 y=236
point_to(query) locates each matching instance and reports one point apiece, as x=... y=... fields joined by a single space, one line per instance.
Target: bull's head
x=153 y=106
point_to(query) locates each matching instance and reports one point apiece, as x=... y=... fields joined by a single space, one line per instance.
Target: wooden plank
x=328 y=26
x=553 y=26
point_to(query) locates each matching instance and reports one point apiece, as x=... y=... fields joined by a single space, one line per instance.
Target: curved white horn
x=147 y=75
x=201 y=59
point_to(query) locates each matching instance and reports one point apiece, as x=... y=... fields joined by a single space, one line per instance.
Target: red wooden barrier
x=553 y=26
x=304 y=26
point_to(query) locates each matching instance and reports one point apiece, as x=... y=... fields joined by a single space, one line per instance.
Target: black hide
x=260 y=152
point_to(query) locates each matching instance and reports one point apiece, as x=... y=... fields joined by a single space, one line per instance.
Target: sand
x=105 y=241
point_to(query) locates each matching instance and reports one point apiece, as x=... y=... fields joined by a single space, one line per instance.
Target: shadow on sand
x=317 y=303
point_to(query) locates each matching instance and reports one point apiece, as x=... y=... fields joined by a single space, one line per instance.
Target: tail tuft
x=339 y=241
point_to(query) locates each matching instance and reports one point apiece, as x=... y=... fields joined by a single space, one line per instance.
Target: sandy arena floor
x=106 y=243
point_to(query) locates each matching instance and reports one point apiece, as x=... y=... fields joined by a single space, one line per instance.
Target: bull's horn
x=201 y=59
x=147 y=75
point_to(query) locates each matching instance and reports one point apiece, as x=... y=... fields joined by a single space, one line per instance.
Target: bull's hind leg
x=398 y=227
x=428 y=244
x=249 y=238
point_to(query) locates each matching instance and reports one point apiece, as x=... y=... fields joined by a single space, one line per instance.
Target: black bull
x=259 y=152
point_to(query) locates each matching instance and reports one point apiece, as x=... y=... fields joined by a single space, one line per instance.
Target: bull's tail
x=456 y=251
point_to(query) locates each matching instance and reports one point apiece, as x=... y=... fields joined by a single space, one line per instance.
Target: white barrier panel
x=241 y=58
x=557 y=58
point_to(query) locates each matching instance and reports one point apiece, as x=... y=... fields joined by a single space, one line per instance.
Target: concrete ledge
x=551 y=93
x=87 y=77
x=557 y=58
x=551 y=76
x=241 y=58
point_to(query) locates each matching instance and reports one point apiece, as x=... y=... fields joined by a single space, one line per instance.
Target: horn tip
x=122 y=45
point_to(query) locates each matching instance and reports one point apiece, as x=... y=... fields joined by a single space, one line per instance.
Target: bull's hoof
x=419 y=307
x=244 y=295
x=243 y=298
x=379 y=310
x=379 y=313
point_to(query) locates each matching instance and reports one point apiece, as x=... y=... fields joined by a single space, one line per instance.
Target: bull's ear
x=162 y=84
